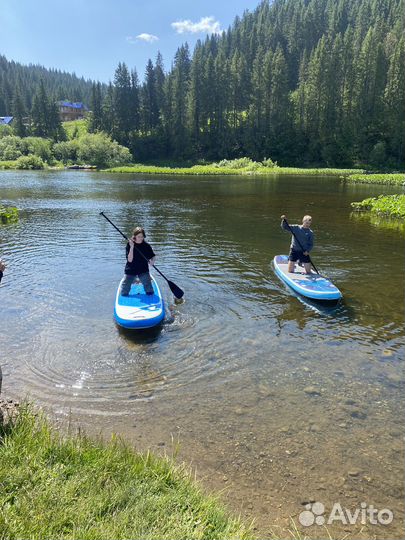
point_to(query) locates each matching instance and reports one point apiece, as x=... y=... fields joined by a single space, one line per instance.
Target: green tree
x=39 y=112
x=96 y=105
x=19 y=114
x=150 y=106
x=122 y=104
x=181 y=79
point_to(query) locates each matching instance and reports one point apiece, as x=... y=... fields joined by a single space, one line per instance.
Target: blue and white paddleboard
x=312 y=285
x=139 y=310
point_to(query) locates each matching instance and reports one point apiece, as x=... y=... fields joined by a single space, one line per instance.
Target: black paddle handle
x=299 y=243
x=115 y=227
x=139 y=251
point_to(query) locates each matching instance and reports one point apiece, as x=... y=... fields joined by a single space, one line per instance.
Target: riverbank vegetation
x=244 y=166
x=83 y=148
x=8 y=214
x=75 y=487
x=397 y=179
x=384 y=205
x=307 y=83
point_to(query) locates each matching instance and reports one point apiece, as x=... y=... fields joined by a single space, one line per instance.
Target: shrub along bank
x=384 y=205
x=37 y=153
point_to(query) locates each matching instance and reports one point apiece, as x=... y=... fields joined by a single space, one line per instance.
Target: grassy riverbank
x=384 y=205
x=75 y=487
x=214 y=169
x=194 y=170
x=397 y=179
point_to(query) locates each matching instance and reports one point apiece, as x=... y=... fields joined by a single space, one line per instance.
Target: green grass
x=387 y=179
x=254 y=168
x=8 y=164
x=77 y=488
x=78 y=127
x=316 y=171
x=384 y=205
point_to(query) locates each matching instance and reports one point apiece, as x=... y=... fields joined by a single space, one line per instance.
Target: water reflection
x=281 y=398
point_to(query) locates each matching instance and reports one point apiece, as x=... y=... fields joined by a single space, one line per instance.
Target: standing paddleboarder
x=302 y=241
x=2 y=268
x=139 y=256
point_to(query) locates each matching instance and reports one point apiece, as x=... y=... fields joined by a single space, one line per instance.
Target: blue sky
x=90 y=37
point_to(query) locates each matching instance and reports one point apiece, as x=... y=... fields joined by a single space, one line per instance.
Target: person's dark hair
x=139 y=230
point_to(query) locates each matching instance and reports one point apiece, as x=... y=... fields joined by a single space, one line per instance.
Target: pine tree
x=19 y=114
x=159 y=82
x=150 y=107
x=394 y=98
x=181 y=74
x=122 y=104
x=135 y=101
x=109 y=116
x=194 y=101
x=96 y=117
x=40 y=111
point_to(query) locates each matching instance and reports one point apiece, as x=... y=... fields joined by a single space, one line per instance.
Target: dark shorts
x=298 y=256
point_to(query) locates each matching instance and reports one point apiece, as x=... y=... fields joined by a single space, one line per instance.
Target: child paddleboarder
x=2 y=268
x=302 y=241
x=139 y=256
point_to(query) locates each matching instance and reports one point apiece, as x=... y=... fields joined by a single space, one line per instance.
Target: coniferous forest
x=304 y=82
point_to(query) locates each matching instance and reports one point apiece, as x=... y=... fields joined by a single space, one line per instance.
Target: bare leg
x=308 y=267
x=291 y=266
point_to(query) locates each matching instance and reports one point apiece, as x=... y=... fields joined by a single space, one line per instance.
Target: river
x=275 y=401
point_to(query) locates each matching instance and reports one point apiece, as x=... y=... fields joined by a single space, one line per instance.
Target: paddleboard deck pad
x=139 y=310
x=312 y=285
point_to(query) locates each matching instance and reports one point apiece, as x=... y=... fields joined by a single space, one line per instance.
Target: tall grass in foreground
x=77 y=488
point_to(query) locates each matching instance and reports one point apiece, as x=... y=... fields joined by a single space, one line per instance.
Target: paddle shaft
x=299 y=243
x=174 y=288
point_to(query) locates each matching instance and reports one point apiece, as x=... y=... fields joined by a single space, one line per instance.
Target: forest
x=303 y=82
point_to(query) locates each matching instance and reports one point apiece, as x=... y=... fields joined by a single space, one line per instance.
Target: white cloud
x=207 y=25
x=148 y=38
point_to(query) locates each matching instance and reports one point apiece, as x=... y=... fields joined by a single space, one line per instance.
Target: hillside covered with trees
x=303 y=82
x=23 y=80
x=300 y=81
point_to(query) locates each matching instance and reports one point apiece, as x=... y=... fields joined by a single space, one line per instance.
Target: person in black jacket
x=2 y=268
x=139 y=256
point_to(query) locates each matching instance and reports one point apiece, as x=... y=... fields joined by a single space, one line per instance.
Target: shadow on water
x=146 y=335
x=336 y=308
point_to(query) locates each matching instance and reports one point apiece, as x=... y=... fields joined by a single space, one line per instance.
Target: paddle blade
x=178 y=293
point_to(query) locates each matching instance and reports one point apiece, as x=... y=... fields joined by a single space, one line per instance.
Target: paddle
x=299 y=243
x=178 y=293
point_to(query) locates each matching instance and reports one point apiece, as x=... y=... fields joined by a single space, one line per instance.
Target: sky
x=90 y=37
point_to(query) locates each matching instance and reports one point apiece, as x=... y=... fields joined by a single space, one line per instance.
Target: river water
x=276 y=402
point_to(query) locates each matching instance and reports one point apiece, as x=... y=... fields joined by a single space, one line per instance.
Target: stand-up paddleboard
x=312 y=285
x=139 y=310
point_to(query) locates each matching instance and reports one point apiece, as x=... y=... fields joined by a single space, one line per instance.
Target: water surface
x=275 y=400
